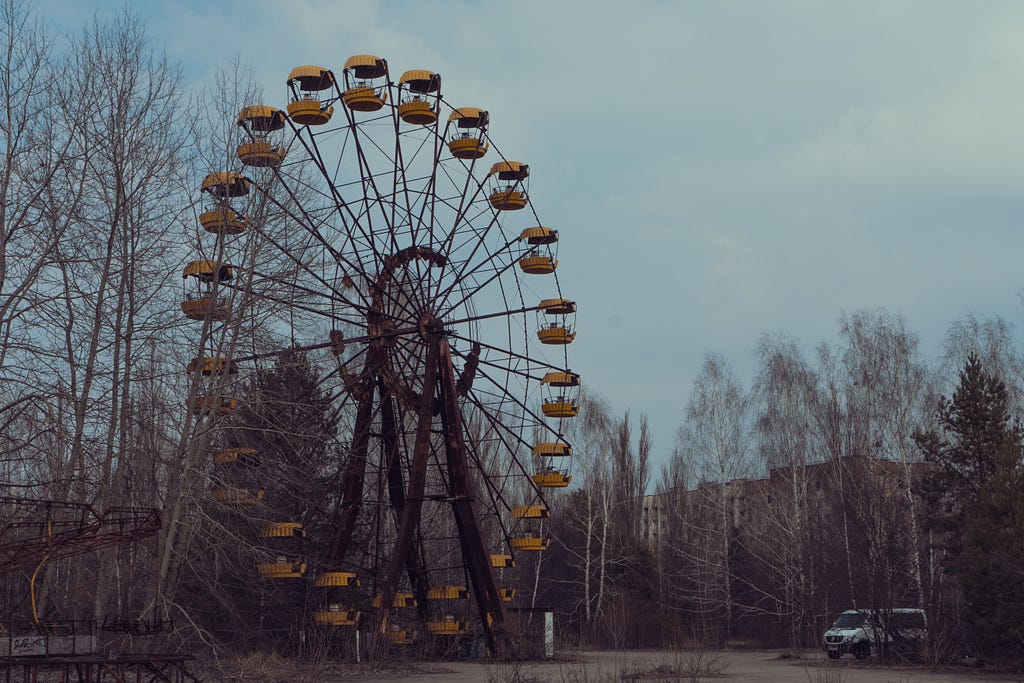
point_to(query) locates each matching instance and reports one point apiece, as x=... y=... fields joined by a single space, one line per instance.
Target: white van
x=858 y=631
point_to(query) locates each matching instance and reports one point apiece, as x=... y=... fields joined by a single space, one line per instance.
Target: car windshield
x=849 y=620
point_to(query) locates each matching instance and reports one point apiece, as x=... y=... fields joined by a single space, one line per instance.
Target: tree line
x=840 y=479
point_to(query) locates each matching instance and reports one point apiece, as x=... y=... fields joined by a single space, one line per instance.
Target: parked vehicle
x=857 y=632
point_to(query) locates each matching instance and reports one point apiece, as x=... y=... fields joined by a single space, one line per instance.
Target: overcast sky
x=717 y=170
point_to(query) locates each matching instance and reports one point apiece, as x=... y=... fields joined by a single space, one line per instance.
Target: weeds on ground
x=828 y=672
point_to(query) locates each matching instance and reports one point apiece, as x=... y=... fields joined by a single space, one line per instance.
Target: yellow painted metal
x=195 y=308
x=366 y=66
x=421 y=81
x=531 y=512
x=282 y=569
x=336 y=580
x=310 y=77
x=208 y=404
x=470 y=117
x=538 y=265
x=508 y=200
x=335 y=616
x=261 y=119
x=225 y=184
x=552 y=449
x=510 y=170
x=223 y=221
x=539 y=235
x=397 y=636
x=557 y=306
x=555 y=334
x=209 y=365
x=551 y=479
x=557 y=378
x=401 y=600
x=560 y=408
x=502 y=561
x=363 y=98
x=310 y=112
x=530 y=543
x=206 y=270
x=507 y=594
x=467 y=147
x=283 y=530
x=230 y=455
x=417 y=112
x=448 y=593
x=261 y=154
x=236 y=496
x=448 y=626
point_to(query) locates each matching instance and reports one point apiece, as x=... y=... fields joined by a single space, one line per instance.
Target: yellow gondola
x=418 y=96
x=305 y=108
x=282 y=568
x=365 y=80
x=469 y=139
x=509 y=192
x=259 y=121
x=336 y=580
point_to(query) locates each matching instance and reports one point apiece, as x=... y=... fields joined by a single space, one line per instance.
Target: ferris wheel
x=408 y=260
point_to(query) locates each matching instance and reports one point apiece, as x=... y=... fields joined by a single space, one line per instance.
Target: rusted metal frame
x=340 y=204
x=485 y=586
x=307 y=222
x=367 y=180
x=414 y=495
x=480 y=238
x=460 y=216
x=464 y=274
x=429 y=196
x=355 y=467
x=418 y=579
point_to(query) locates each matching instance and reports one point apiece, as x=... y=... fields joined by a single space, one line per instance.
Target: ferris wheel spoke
x=342 y=207
x=511 y=354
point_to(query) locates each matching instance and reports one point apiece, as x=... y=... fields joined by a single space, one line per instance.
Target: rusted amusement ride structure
x=398 y=248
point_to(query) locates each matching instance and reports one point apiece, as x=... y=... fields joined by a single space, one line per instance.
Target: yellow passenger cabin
x=448 y=625
x=400 y=601
x=282 y=530
x=501 y=561
x=260 y=122
x=337 y=580
x=551 y=478
x=508 y=182
x=212 y=365
x=530 y=542
x=306 y=83
x=531 y=512
x=223 y=220
x=552 y=449
x=223 y=185
x=419 y=93
x=336 y=615
x=366 y=83
x=469 y=139
x=282 y=568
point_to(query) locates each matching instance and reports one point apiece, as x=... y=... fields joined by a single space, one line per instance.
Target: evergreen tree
x=973 y=495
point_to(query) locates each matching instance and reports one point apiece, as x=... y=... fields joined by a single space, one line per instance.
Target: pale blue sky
x=717 y=169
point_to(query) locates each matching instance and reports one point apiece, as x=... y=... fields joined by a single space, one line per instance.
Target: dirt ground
x=736 y=667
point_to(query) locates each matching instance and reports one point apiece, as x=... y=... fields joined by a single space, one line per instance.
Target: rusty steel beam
x=413 y=506
x=485 y=586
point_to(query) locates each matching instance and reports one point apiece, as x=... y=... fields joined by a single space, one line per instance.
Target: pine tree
x=974 y=501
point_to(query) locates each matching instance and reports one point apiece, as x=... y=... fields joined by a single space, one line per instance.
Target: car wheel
x=861 y=651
